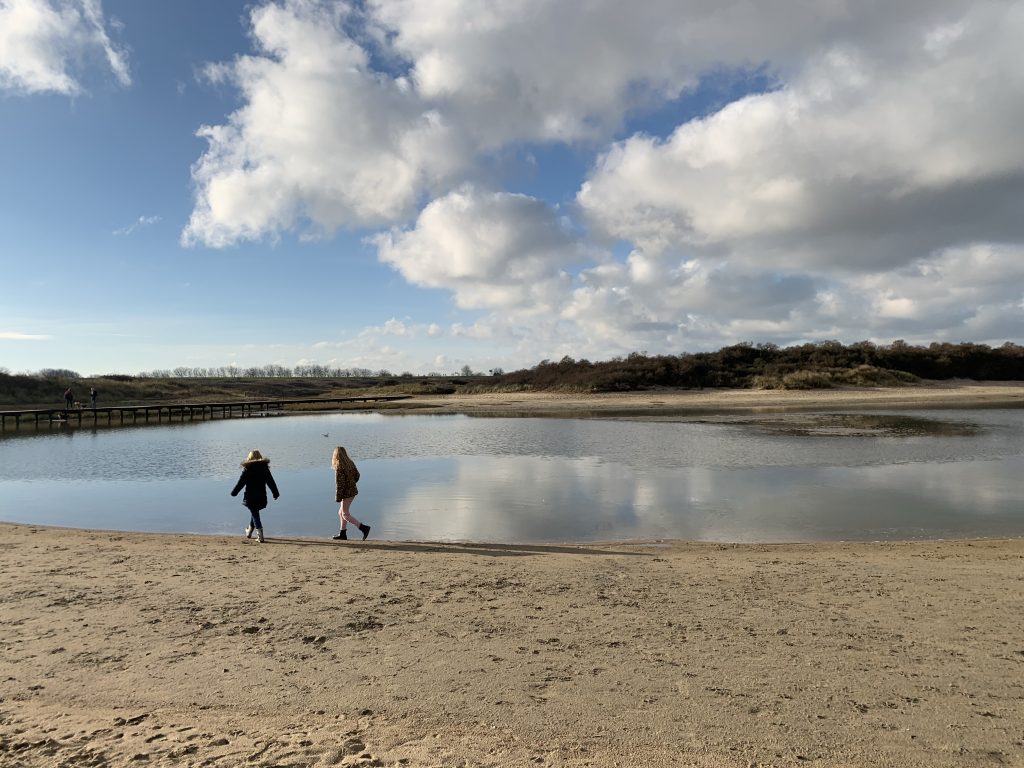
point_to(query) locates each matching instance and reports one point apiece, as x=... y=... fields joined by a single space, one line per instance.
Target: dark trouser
x=255 y=522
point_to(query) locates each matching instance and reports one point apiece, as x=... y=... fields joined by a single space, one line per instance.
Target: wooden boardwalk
x=168 y=411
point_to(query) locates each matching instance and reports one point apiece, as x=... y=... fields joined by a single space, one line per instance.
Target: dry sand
x=138 y=649
x=669 y=403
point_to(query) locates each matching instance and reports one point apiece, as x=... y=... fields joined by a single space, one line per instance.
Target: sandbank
x=124 y=649
x=702 y=403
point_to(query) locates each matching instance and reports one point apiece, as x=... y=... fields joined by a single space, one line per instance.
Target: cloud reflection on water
x=534 y=499
x=529 y=480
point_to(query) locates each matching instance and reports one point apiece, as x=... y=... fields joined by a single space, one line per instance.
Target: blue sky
x=420 y=185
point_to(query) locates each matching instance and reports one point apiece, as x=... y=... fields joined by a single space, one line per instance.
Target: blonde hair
x=254 y=457
x=340 y=458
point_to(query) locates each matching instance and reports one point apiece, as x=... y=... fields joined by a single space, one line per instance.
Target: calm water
x=457 y=478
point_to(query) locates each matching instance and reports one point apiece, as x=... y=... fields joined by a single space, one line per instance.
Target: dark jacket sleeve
x=239 y=485
x=272 y=484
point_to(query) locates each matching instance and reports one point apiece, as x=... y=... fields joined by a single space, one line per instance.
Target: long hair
x=340 y=458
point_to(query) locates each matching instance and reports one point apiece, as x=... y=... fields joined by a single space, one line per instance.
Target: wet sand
x=173 y=650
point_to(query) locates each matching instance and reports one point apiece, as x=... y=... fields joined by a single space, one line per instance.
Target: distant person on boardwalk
x=92 y=396
x=69 y=398
x=255 y=479
x=345 y=478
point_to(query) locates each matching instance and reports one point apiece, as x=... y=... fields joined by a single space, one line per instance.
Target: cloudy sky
x=418 y=185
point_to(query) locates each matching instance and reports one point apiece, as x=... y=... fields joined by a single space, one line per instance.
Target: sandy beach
x=125 y=649
x=140 y=649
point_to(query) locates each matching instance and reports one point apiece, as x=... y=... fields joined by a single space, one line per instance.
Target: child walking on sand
x=255 y=479
x=345 y=478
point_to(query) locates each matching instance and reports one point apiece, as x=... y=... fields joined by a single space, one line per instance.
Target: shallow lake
x=936 y=474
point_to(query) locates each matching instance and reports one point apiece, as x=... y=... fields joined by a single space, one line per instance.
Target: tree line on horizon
x=272 y=371
x=768 y=366
x=743 y=365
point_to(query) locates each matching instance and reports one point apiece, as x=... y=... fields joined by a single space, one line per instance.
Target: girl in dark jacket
x=255 y=479
x=345 y=478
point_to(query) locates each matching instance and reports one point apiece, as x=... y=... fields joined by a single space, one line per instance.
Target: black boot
x=342 y=535
x=365 y=529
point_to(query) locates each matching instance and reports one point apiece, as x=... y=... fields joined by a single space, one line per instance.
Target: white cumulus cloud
x=491 y=249
x=44 y=43
x=544 y=70
x=872 y=189
x=865 y=159
x=323 y=141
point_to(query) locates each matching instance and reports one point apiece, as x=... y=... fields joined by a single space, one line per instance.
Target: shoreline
x=665 y=404
x=132 y=649
x=567 y=545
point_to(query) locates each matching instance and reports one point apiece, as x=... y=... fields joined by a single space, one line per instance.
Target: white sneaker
x=259 y=535
x=248 y=531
